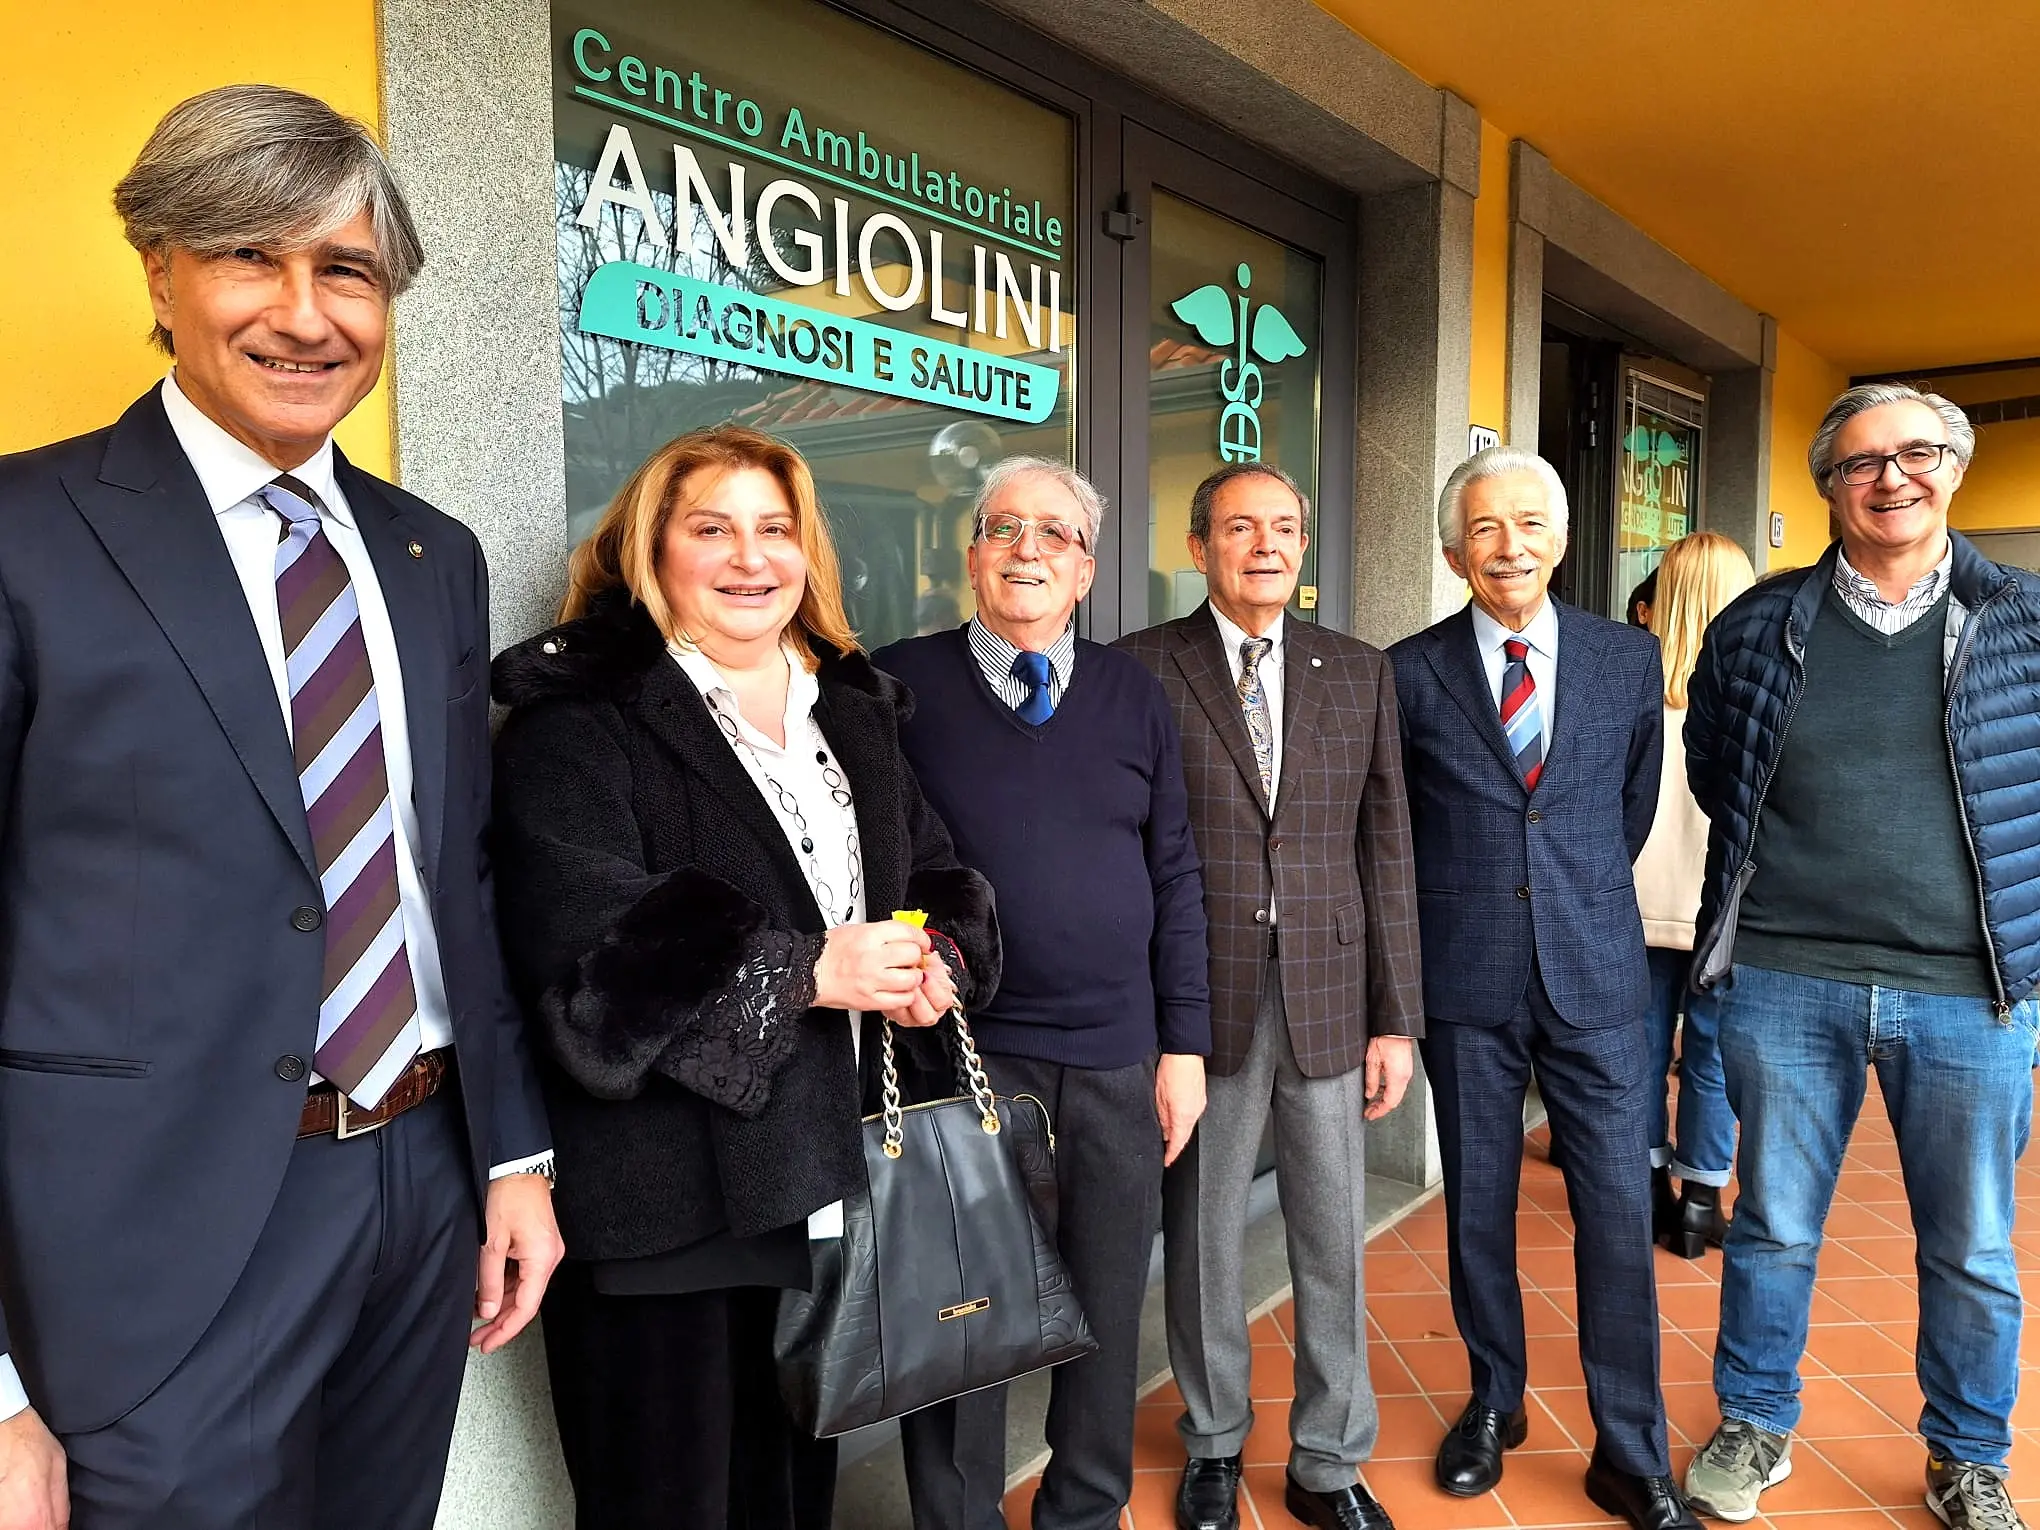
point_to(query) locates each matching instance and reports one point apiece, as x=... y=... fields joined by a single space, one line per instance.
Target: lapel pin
x=417 y=549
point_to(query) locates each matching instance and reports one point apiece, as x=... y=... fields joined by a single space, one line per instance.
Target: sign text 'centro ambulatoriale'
x=811 y=239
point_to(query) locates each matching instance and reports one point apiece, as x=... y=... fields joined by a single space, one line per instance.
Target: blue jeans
x=1958 y=1087
x=1705 y=1150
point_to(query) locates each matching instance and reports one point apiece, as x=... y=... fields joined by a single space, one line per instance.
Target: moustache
x=1020 y=566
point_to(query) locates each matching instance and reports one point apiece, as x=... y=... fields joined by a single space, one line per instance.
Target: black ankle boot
x=1700 y=1220
x=1664 y=1207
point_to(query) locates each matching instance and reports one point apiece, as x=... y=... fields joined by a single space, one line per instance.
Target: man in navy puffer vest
x=1865 y=737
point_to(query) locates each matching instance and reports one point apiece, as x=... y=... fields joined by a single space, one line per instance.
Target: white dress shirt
x=1230 y=636
x=1542 y=636
x=230 y=474
x=835 y=869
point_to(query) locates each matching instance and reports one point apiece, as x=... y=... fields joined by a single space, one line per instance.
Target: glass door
x=1659 y=467
x=1235 y=281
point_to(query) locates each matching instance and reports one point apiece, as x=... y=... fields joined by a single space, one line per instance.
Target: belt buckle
x=344 y=1114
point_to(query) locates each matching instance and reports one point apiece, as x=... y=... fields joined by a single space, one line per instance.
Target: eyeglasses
x=1050 y=536
x=1915 y=461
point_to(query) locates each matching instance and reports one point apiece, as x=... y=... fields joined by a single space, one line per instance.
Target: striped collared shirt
x=995 y=657
x=1859 y=592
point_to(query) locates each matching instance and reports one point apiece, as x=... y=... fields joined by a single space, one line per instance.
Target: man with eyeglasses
x=1865 y=737
x=1056 y=764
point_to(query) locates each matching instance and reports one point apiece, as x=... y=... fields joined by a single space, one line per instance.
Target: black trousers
x=1108 y=1161
x=323 y=1395
x=669 y=1414
x=1598 y=1087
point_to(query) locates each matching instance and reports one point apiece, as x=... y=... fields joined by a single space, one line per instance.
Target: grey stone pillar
x=1416 y=301
x=1738 y=468
x=478 y=433
x=1416 y=358
x=1524 y=366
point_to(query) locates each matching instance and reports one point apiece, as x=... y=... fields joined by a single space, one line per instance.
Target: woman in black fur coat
x=704 y=821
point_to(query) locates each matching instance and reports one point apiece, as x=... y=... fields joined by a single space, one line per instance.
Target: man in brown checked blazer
x=1292 y=753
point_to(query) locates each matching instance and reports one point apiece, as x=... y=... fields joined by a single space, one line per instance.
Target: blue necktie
x=1032 y=668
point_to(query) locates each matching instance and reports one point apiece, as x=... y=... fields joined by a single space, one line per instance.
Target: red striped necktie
x=368 y=1009
x=1522 y=716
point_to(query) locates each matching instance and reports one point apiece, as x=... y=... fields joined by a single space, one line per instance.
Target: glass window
x=1659 y=472
x=1234 y=358
x=793 y=220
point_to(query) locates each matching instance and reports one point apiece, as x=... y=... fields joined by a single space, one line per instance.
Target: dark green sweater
x=1863 y=871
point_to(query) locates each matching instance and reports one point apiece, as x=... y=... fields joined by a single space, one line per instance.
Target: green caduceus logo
x=1211 y=311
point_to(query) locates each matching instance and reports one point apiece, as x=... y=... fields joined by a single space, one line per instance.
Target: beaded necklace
x=789 y=808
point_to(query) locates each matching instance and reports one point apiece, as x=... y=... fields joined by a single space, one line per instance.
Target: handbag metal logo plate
x=964 y=1309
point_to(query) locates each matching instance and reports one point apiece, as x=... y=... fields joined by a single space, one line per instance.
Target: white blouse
x=834 y=868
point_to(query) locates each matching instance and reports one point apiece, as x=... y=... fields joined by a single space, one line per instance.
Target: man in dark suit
x=1532 y=736
x=261 y=1083
x=1293 y=760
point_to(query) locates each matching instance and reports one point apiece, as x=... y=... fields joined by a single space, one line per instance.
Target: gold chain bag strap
x=946 y=1279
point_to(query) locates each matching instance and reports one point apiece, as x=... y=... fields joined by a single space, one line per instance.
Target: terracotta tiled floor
x=1857 y=1463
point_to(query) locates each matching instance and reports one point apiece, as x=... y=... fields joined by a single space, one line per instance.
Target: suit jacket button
x=1260 y=916
x=1522 y=892
x=307 y=918
x=290 y=1067
x=1274 y=844
x=1534 y=816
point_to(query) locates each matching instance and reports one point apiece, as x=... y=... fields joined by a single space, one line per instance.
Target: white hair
x=1495 y=462
x=1090 y=504
x=1820 y=454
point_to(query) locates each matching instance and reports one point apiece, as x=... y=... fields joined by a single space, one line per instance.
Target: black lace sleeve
x=741 y=1035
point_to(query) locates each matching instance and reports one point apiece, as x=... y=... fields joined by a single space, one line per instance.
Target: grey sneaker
x=1967 y=1496
x=1737 y=1465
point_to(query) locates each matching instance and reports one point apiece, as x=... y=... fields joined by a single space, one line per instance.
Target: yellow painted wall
x=2002 y=487
x=1488 y=392
x=1801 y=390
x=84 y=84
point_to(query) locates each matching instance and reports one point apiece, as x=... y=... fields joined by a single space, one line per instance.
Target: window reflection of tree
x=622 y=401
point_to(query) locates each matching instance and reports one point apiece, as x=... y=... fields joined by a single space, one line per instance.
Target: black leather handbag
x=946 y=1279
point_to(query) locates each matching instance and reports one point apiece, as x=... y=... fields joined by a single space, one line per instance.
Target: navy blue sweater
x=1082 y=826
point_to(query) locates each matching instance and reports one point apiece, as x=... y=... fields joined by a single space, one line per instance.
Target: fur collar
x=606 y=654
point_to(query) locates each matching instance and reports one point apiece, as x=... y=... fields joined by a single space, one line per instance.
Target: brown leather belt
x=329 y=1112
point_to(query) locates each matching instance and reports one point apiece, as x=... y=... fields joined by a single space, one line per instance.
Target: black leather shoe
x=1470 y=1460
x=1648 y=1503
x=1209 y=1498
x=1349 y=1508
x=1664 y=1208
x=1702 y=1223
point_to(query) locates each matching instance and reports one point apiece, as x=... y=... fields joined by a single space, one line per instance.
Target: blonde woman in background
x=1700 y=575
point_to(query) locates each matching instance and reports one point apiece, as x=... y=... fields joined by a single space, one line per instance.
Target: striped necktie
x=368 y=1008
x=1522 y=716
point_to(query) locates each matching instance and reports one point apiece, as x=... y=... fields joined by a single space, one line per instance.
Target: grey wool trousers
x=1320 y=1145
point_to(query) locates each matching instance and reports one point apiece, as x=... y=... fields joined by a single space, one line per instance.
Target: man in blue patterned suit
x=1532 y=737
